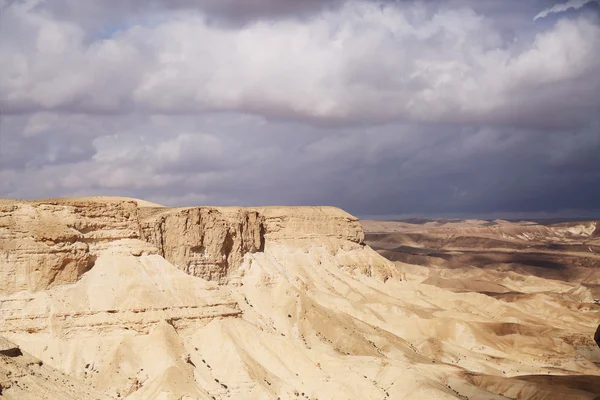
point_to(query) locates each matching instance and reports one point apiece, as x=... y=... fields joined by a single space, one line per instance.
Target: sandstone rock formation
x=204 y=242
x=132 y=300
x=54 y=242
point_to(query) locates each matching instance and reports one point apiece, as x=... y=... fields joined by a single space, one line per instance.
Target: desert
x=116 y=298
x=300 y=199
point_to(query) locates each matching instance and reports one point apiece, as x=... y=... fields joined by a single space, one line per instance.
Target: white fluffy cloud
x=360 y=62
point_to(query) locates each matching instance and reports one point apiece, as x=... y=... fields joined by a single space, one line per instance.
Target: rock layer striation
x=43 y=243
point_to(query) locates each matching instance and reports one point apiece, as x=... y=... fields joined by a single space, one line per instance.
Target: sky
x=383 y=108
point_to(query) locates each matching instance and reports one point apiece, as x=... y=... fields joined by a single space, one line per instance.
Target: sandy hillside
x=123 y=299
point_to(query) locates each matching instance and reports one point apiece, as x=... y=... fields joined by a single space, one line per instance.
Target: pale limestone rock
x=210 y=242
x=203 y=241
x=312 y=223
x=43 y=243
x=53 y=242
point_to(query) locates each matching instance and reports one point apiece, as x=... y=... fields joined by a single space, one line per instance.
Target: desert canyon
x=116 y=298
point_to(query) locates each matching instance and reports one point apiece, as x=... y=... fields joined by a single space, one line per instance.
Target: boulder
x=8 y=348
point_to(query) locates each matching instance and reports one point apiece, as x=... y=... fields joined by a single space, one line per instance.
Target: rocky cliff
x=53 y=242
x=44 y=243
x=210 y=242
x=313 y=223
x=203 y=241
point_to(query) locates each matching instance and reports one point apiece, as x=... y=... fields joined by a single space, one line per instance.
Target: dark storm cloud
x=115 y=13
x=251 y=9
x=381 y=108
x=395 y=169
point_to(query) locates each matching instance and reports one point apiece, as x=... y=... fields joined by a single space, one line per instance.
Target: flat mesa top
x=90 y=199
x=273 y=210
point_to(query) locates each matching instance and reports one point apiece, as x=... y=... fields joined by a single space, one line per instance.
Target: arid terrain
x=550 y=272
x=106 y=298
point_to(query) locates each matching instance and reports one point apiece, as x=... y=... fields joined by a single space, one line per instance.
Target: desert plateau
x=115 y=298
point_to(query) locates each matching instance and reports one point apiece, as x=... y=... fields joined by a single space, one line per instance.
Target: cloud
x=562 y=7
x=359 y=63
x=393 y=169
x=389 y=108
x=226 y=12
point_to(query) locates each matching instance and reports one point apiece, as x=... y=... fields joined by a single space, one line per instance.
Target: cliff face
x=48 y=243
x=203 y=241
x=45 y=243
x=210 y=242
x=596 y=232
x=298 y=223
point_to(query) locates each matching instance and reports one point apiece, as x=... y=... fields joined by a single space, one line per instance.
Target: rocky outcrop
x=203 y=241
x=45 y=243
x=9 y=349
x=54 y=242
x=210 y=242
x=596 y=232
x=314 y=223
